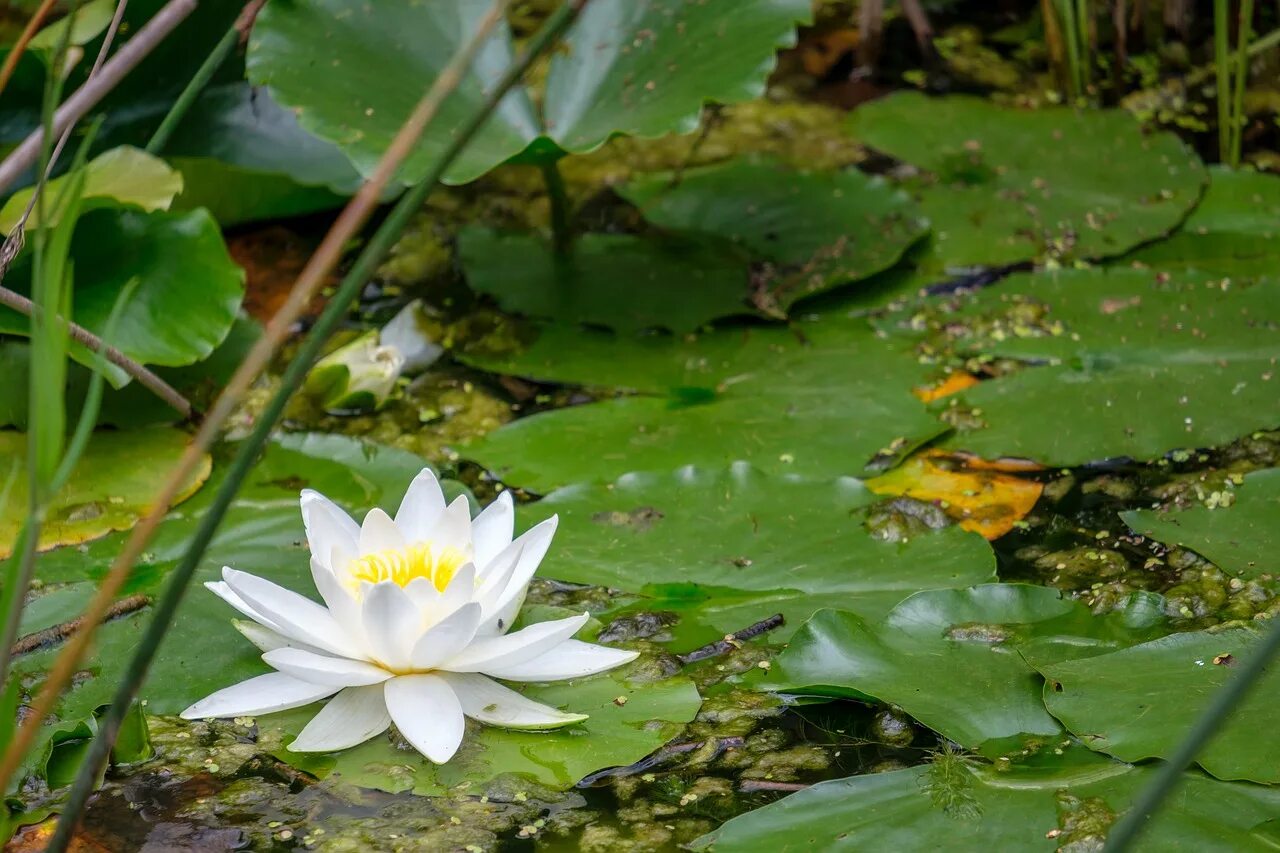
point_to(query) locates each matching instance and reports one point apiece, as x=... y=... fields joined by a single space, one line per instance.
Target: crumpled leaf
x=980 y=499
x=110 y=489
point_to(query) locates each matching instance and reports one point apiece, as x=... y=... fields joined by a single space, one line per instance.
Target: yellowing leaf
x=957 y=381
x=983 y=500
x=110 y=489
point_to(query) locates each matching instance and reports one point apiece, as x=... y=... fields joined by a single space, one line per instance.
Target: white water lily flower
x=414 y=629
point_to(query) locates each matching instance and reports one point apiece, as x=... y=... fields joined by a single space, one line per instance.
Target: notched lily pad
x=1010 y=185
x=1140 y=702
x=807 y=231
x=950 y=658
x=742 y=542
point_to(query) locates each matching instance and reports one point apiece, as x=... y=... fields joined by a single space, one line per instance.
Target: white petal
x=489 y=702
x=338 y=597
x=379 y=533
x=350 y=718
x=392 y=624
x=227 y=594
x=570 y=659
x=493 y=529
x=506 y=603
x=293 y=615
x=453 y=528
x=423 y=594
x=265 y=694
x=507 y=650
x=446 y=638
x=427 y=712
x=421 y=507
x=266 y=639
x=492 y=579
x=461 y=590
x=327 y=525
x=322 y=669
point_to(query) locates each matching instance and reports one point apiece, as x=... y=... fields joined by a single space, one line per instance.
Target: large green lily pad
x=353 y=75
x=1141 y=362
x=956 y=806
x=821 y=410
x=1243 y=538
x=810 y=231
x=617 y=280
x=1011 y=185
x=1142 y=701
x=1231 y=232
x=739 y=540
x=188 y=290
x=615 y=734
x=110 y=489
x=949 y=658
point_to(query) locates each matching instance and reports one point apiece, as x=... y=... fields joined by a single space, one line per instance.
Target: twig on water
x=732 y=641
x=55 y=634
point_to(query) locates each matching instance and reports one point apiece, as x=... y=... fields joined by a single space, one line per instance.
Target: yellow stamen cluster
x=420 y=560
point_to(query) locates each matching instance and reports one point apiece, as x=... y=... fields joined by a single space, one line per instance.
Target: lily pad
x=821 y=410
x=810 y=231
x=735 y=534
x=1242 y=538
x=1140 y=702
x=949 y=658
x=1144 y=363
x=123 y=176
x=617 y=280
x=959 y=806
x=111 y=488
x=617 y=733
x=1011 y=185
x=245 y=158
x=188 y=292
x=1232 y=230
x=644 y=68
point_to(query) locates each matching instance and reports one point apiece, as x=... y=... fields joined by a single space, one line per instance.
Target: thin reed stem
x=247 y=453
x=203 y=75
x=1210 y=723
x=561 y=231
x=24 y=39
x=1236 y=140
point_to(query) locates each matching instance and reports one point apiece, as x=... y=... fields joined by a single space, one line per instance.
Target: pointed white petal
x=493 y=529
x=507 y=602
x=392 y=624
x=446 y=638
x=427 y=712
x=293 y=615
x=453 y=528
x=379 y=533
x=227 y=594
x=336 y=597
x=492 y=579
x=265 y=694
x=461 y=590
x=323 y=669
x=421 y=507
x=570 y=659
x=266 y=639
x=327 y=525
x=507 y=650
x=489 y=702
x=350 y=718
